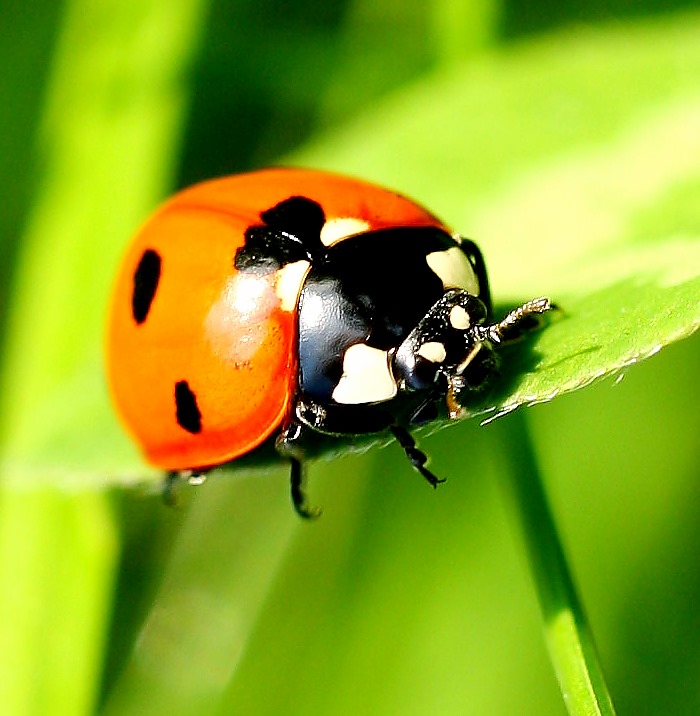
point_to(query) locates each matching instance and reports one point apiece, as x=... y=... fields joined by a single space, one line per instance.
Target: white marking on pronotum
x=288 y=283
x=335 y=230
x=454 y=269
x=433 y=351
x=459 y=318
x=366 y=376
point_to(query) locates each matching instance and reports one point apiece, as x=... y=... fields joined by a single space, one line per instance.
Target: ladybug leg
x=286 y=447
x=415 y=456
x=299 y=500
x=172 y=480
x=170 y=494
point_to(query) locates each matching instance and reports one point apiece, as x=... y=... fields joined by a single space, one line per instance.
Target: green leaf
x=578 y=189
x=574 y=188
x=631 y=303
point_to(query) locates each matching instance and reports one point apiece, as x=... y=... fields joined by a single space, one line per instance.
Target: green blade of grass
x=196 y=632
x=113 y=114
x=568 y=633
x=462 y=28
x=114 y=109
x=57 y=553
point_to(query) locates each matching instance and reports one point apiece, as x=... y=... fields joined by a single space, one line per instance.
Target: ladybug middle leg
x=287 y=445
x=415 y=456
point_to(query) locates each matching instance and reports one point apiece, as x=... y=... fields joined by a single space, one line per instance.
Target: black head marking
x=186 y=410
x=146 y=278
x=291 y=231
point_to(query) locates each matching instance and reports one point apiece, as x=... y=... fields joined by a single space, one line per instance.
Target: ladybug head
x=451 y=349
x=448 y=347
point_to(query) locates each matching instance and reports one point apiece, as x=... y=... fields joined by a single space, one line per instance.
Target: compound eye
x=414 y=368
x=475 y=308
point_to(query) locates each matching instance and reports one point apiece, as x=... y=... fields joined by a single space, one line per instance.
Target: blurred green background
x=398 y=600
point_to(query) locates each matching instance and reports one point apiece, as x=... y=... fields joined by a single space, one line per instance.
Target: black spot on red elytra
x=146 y=278
x=297 y=215
x=290 y=231
x=186 y=410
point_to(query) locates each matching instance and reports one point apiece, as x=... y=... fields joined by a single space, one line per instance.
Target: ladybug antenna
x=517 y=323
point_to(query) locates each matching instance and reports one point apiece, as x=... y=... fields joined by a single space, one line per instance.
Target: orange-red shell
x=227 y=334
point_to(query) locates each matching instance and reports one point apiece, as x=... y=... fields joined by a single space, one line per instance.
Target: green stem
x=462 y=28
x=568 y=634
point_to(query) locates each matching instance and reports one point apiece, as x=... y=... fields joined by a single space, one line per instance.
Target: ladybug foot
x=170 y=494
x=415 y=456
x=287 y=446
x=301 y=505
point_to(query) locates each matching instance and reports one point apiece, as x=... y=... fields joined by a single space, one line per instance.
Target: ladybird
x=283 y=304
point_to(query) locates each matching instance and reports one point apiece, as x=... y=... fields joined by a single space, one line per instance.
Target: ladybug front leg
x=288 y=446
x=415 y=456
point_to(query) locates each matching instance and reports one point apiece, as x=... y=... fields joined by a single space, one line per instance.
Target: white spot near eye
x=366 y=376
x=335 y=230
x=454 y=269
x=433 y=351
x=459 y=318
x=288 y=283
